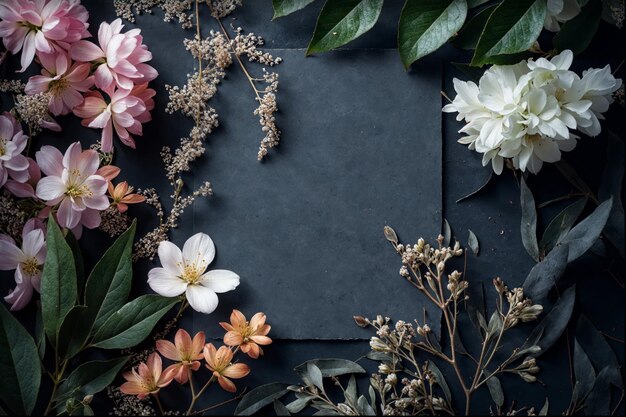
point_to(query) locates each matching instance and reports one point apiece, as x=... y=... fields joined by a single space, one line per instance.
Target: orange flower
x=147 y=378
x=247 y=335
x=122 y=195
x=108 y=172
x=219 y=361
x=186 y=352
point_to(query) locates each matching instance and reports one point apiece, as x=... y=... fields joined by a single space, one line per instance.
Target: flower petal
x=220 y=281
x=168 y=350
x=202 y=299
x=199 y=250
x=171 y=258
x=164 y=283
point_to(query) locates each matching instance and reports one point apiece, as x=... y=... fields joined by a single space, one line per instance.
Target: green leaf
x=495 y=324
x=58 y=281
x=611 y=185
x=584 y=234
x=364 y=408
x=529 y=221
x=40 y=334
x=545 y=409
x=552 y=326
x=495 y=389
x=598 y=402
x=472 y=242
x=475 y=3
x=109 y=283
x=332 y=367
x=132 y=323
x=447 y=233
x=426 y=25
x=560 y=226
x=314 y=376
x=577 y=33
x=78 y=262
x=342 y=21
x=20 y=370
x=351 y=391
x=284 y=7
x=544 y=275
x=600 y=352
x=572 y=176
x=583 y=372
x=259 y=398
x=470 y=33
x=73 y=333
x=299 y=404
x=441 y=380
x=90 y=378
x=280 y=409
x=513 y=27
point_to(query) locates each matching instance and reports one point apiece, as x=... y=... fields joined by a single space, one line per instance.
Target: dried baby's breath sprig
x=11 y=86
x=113 y=222
x=13 y=216
x=33 y=111
x=129 y=405
x=222 y=8
x=172 y=9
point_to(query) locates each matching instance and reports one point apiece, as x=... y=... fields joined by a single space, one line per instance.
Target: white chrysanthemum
x=527 y=112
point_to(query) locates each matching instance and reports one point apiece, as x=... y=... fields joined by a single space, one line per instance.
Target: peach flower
x=148 y=378
x=185 y=352
x=247 y=335
x=219 y=361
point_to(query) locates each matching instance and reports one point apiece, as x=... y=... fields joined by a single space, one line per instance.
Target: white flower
x=184 y=272
x=527 y=112
x=27 y=262
x=560 y=11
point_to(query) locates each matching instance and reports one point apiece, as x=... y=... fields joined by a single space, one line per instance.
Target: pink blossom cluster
x=104 y=83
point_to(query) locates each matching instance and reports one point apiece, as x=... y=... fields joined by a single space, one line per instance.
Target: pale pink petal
x=10 y=255
x=90 y=219
x=28 y=51
x=85 y=51
x=33 y=242
x=97 y=203
x=66 y=215
x=50 y=188
x=107 y=137
x=37 y=84
x=20 y=296
x=50 y=160
x=103 y=77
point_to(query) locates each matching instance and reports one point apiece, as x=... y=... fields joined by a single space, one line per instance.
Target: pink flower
x=73 y=185
x=37 y=26
x=27 y=262
x=65 y=82
x=120 y=57
x=12 y=143
x=125 y=113
x=26 y=189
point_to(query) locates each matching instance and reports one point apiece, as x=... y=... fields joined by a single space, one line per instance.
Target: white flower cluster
x=528 y=112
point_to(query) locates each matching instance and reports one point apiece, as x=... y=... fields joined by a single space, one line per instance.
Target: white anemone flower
x=185 y=272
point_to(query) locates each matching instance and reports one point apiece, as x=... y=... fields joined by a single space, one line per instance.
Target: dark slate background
x=494 y=214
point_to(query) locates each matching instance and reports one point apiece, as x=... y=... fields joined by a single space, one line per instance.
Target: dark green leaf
x=280 y=409
x=379 y=356
x=598 y=402
x=544 y=275
x=109 y=283
x=554 y=323
x=472 y=242
x=560 y=226
x=40 y=334
x=364 y=408
x=314 y=376
x=447 y=233
x=20 y=371
x=583 y=372
x=577 y=33
x=426 y=25
x=259 y=398
x=299 y=404
x=584 y=234
x=475 y=3
x=611 y=185
x=441 y=381
x=285 y=7
x=468 y=36
x=89 y=379
x=512 y=27
x=342 y=21
x=332 y=367
x=73 y=333
x=78 y=262
x=495 y=389
x=598 y=349
x=529 y=221
x=132 y=323
x=58 y=281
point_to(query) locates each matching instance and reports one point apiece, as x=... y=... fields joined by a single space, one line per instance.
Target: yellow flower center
x=75 y=186
x=3 y=146
x=30 y=266
x=57 y=86
x=191 y=275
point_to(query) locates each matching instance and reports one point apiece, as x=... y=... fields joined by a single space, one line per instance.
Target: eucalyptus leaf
x=110 y=280
x=611 y=185
x=545 y=274
x=379 y=356
x=351 y=391
x=73 y=333
x=554 y=323
x=472 y=242
x=471 y=31
x=89 y=378
x=583 y=372
x=342 y=21
x=560 y=225
x=447 y=233
x=259 y=397
x=332 y=367
x=598 y=402
x=582 y=236
x=285 y=7
x=426 y=25
x=314 y=375
x=495 y=389
x=364 y=408
x=132 y=323
x=529 y=221
x=280 y=409
x=545 y=409
x=58 y=281
x=598 y=349
x=441 y=381
x=299 y=404
x=20 y=369
x=576 y=34
x=513 y=27
x=495 y=324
